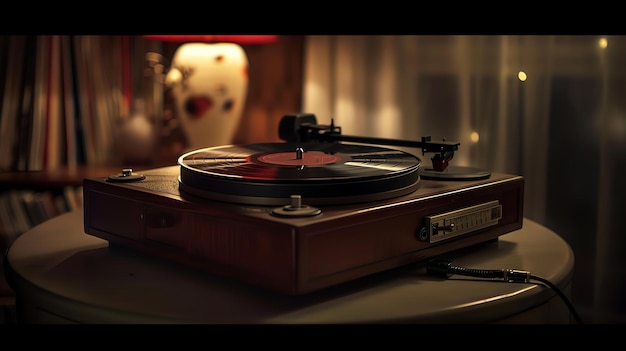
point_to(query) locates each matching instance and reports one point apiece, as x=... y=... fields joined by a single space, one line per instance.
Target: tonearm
x=304 y=128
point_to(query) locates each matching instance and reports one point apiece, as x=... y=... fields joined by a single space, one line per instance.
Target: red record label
x=308 y=158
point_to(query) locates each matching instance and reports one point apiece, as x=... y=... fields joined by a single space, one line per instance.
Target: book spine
x=35 y=161
x=10 y=105
x=25 y=123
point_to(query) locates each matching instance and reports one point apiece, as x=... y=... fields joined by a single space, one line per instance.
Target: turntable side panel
x=367 y=243
x=261 y=254
x=113 y=214
x=247 y=249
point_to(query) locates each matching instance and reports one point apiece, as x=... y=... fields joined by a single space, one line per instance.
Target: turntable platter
x=454 y=173
x=321 y=173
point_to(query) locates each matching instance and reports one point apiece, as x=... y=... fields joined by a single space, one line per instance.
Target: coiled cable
x=445 y=269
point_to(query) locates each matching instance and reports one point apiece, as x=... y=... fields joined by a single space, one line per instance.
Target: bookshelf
x=59 y=126
x=51 y=179
x=29 y=198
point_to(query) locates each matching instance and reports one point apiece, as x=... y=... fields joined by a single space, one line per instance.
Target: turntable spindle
x=299 y=152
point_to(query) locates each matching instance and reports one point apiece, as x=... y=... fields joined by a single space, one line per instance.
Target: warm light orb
x=521 y=75
x=603 y=43
x=474 y=137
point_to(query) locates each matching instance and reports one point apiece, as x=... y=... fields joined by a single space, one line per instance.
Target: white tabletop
x=58 y=268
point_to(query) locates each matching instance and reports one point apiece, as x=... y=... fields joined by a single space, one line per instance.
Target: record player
x=314 y=211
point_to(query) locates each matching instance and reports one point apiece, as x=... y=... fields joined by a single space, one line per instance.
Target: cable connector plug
x=516 y=276
x=445 y=269
x=439 y=268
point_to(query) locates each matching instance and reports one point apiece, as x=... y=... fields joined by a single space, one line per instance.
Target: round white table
x=62 y=275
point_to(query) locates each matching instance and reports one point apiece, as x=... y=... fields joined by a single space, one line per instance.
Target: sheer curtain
x=546 y=107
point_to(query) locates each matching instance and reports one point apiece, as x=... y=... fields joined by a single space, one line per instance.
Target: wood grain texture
x=275 y=88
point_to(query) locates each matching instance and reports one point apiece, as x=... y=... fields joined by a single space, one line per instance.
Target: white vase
x=209 y=83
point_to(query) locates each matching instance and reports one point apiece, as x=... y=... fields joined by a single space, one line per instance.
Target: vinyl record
x=321 y=173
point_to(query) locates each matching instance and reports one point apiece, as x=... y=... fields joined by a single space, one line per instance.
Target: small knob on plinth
x=296 y=209
x=127 y=175
x=296 y=201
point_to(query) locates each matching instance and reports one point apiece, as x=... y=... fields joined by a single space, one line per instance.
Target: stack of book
x=62 y=98
x=23 y=209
